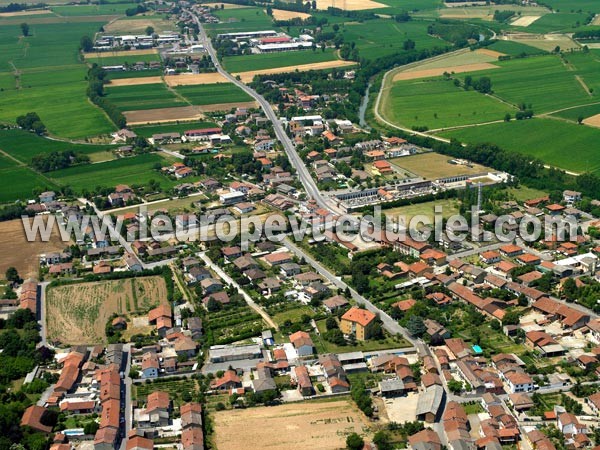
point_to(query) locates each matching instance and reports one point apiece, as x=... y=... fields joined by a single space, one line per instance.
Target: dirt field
x=440 y=71
x=248 y=76
x=434 y=165
x=593 y=121
x=350 y=5
x=402 y=409
x=547 y=42
x=161 y=115
x=77 y=314
x=135 y=81
x=26 y=13
x=281 y=14
x=596 y=20
x=201 y=78
x=314 y=425
x=488 y=52
x=525 y=21
x=148 y=51
x=138 y=26
x=15 y=251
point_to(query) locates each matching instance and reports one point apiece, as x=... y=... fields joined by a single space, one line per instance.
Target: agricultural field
x=514 y=48
x=133 y=171
x=563 y=21
x=93 y=10
x=212 y=94
x=23 y=145
x=140 y=97
x=16 y=251
x=135 y=74
x=49 y=79
x=246 y=63
x=438 y=103
x=318 y=425
x=20 y=182
x=148 y=131
x=104 y=59
x=433 y=165
x=78 y=313
x=138 y=24
x=559 y=139
x=240 y=19
x=574 y=114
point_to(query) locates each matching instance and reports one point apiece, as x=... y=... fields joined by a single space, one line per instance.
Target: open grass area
x=149 y=130
x=438 y=103
x=132 y=171
x=449 y=208
x=24 y=146
x=575 y=113
x=240 y=19
x=93 y=10
x=146 y=96
x=514 y=48
x=562 y=21
x=18 y=183
x=433 y=165
x=50 y=78
x=293 y=313
x=246 y=63
x=523 y=193
x=559 y=141
x=211 y=94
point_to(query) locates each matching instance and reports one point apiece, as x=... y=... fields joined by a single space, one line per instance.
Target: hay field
x=434 y=165
x=138 y=26
x=26 y=13
x=426 y=73
x=593 y=121
x=135 y=81
x=77 y=313
x=281 y=14
x=147 y=51
x=351 y=5
x=247 y=77
x=189 y=79
x=183 y=113
x=16 y=252
x=525 y=21
x=314 y=425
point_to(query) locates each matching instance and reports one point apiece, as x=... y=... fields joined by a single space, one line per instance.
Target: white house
x=519 y=382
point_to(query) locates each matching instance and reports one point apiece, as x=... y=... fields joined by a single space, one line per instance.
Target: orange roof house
x=359 y=322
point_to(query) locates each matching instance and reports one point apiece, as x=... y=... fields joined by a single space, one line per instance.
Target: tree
x=507 y=117
x=149 y=31
x=569 y=289
x=580 y=119
x=354 y=442
x=331 y=323
x=415 y=326
x=90 y=428
x=12 y=275
x=409 y=44
x=455 y=386
x=382 y=441
x=86 y=44
x=25 y=29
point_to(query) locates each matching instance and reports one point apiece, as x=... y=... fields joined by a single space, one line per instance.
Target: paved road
x=303 y=174
x=251 y=303
x=390 y=324
x=127 y=381
x=43 y=329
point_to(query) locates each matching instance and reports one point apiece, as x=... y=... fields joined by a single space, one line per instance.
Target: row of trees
x=95 y=92
x=31 y=122
x=46 y=162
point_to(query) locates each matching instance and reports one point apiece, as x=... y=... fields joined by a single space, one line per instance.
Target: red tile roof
x=358 y=315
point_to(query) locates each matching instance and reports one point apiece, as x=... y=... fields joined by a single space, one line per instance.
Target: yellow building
x=358 y=321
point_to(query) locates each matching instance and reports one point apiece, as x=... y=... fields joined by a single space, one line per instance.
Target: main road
x=303 y=174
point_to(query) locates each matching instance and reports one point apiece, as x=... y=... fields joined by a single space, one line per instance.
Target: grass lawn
x=473 y=408
x=292 y=314
x=131 y=171
x=433 y=165
x=247 y=63
x=560 y=141
x=523 y=193
x=145 y=96
x=449 y=207
x=211 y=94
x=24 y=146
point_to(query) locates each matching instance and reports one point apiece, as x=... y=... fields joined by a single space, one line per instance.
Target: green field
x=246 y=63
x=51 y=79
x=554 y=142
x=93 y=10
x=144 y=96
x=575 y=113
x=514 y=48
x=125 y=59
x=574 y=5
x=24 y=146
x=210 y=94
x=563 y=21
x=377 y=38
x=438 y=103
x=18 y=183
x=148 y=131
x=134 y=74
x=240 y=19
x=132 y=171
